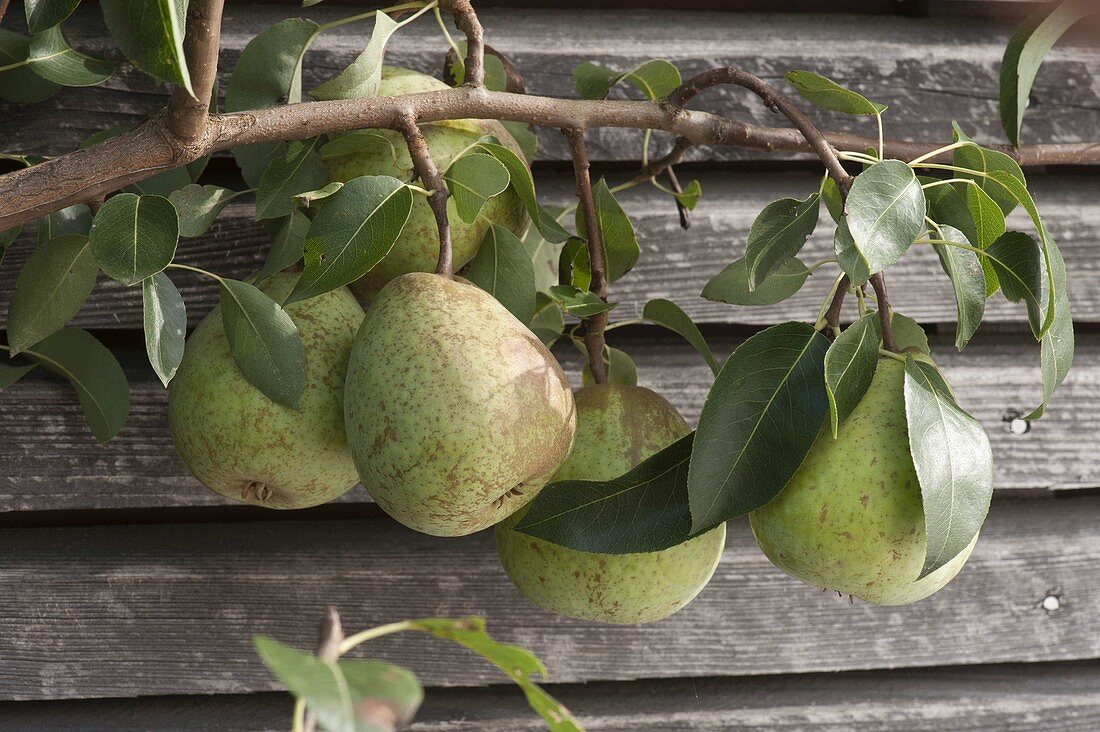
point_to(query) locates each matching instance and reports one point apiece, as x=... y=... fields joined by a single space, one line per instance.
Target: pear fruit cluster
x=851 y=518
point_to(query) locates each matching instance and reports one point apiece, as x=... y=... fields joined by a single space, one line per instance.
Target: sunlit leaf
x=581 y=303
x=655 y=78
x=51 y=287
x=828 y=94
x=19 y=83
x=53 y=59
x=45 y=14
x=472 y=180
x=967 y=280
x=150 y=33
x=779 y=233
x=134 y=237
x=620 y=245
x=731 y=285
x=164 y=317
x=885 y=213
x=360 y=80
x=300 y=170
x=850 y=366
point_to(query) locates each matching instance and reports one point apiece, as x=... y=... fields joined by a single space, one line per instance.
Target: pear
x=851 y=518
x=617 y=428
x=244 y=446
x=385 y=153
x=456 y=413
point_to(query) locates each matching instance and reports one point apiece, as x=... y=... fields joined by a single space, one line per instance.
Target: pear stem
x=427 y=171
x=594 y=325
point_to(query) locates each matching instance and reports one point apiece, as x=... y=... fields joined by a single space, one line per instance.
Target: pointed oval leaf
x=19 y=83
x=356 y=228
x=10 y=373
x=264 y=342
x=307 y=197
x=983 y=160
x=885 y=212
x=849 y=367
x=287 y=243
x=967 y=280
x=989 y=220
x=360 y=80
x=582 y=303
x=948 y=204
x=669 y=315
x=503 y=268
x=828 y=94
x=472 y=180
x=301 y=169
x=908 y=333
x=198 y=206
x=731 y=285
x=164 y=316
x=520 y=180
x=848 y=255
x=779 y=233
x=834 y=202
x=760 y=419
x=953 y=460
x=1057 y=344
x=655 y=78
x=645 y=510
x=55 y=281
x=1016 y=259
x=76 y=219
x=53 y=59
x=44 y=14
x=151 y=34
x=134 y=237
x=620 y=245
x=95 y=374
x=620 y=369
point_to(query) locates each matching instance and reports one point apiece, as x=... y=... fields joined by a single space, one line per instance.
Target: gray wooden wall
x=128 y=593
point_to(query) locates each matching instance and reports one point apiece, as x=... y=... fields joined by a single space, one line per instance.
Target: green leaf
x=581 y=303
x=620 y=369
x=95 y=374
x=346 y=695
x=885 y=213
x=351 y=234
x=655 y=79
x=474 y=179
x=45 y=14
x=10 y=373
x=151 y=34
x=520 y=180
x=524 y=135
x=496 y=78
x=300 y=170
x=134 y=237
x=834 y=202
x=968 y=281
x=669 y=315
x=1056 y=346
x=165 y=320
x=574 y=266
x=357 y=141
x=645 y=510
x=268 y=74
x=989 y=221
x=53 y=284
x=779 y=233
x=75 y=219
x=732 y=284
x=288 y=241
x=360 y=80
x=1015 y=258
x=948 y=204
x=849 y=367
x=53 y=59
x=547 y=322
x=20 y=84
x=198 y=206
x=760 y=419
x=689 y=196
x=828 y=94
x=849 y=257
x=517 y=663
x=908 y=333
x=1024 y=55
x=953 y=460
x=620 y=245
x=308 y=197
x=264 y=342
x=503 y=268
x=983 y=160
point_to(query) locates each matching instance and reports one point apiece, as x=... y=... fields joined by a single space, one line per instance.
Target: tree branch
x=467 y=22
x=331 y=635
x=594 y=325
x=884 y=313
x=186 y=114
x=3 y=8
x=429 y=175
x=832 y=315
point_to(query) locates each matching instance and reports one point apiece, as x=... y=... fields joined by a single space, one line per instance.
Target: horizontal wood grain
x=57 y=465
x=169 y=609
x=1004 y=698
x=674 y=263
x=928 y=70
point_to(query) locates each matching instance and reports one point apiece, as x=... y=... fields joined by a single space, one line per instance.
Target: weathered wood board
x=674 y=263
x=928 y=70
x=169 y=609
x=56 y=464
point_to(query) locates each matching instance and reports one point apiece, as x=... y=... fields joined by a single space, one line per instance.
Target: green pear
x=617 y=428
x=244 y=446
x=456 y=413
x=851 y=519
x=385 y=153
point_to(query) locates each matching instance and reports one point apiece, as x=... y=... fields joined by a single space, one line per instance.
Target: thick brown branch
x=595 y=324
x=884 y=313
x=186 y=114
x=467 y=22
x=429 y=175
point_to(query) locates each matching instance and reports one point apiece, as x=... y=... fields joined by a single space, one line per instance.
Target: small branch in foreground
x=186 y=114
x=884 y=313
x=467 y=22
x=832 y=315
x=429 y=175
x=593 y=326
x=674 y=183
x=331 y=635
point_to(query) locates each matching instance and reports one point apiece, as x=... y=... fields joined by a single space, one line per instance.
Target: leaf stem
x=891 y=354
x=371 y=13
x=916 y=162
x=371 y=633
x=299 y=719
x=189 y=268
x=881 y=143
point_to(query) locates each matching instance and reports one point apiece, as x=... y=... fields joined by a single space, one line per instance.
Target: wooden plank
x=57 y=465
x=1007 y=698
x=675 y=263
x=929 y=70
x=176 y=604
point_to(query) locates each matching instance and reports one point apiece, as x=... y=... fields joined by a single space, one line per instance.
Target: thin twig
x=660 y=165
x=186 y=114
x=884 y=313
x=674 y=183
x=467 y=22
x=594 y=325
x=832 y=315
x=3 y=8
x=331 y=635
x=425 y=168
